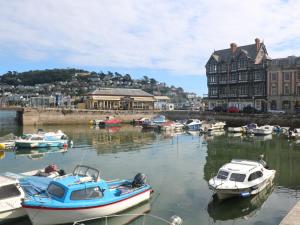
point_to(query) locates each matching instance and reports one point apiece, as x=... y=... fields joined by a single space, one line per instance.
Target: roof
x=120 y=92
x=237 y=165
x=225 y=55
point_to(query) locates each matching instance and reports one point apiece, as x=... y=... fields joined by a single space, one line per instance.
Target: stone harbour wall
x=66 y=116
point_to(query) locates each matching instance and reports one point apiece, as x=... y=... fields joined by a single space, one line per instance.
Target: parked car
x=233 y=109
x=219 y=109
x=249 y=109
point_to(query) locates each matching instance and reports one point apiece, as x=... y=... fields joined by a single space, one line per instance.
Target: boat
x=84 y=195
x=110 y=122
x=249 y=128
x=212 y=126
x=11 y=192
x=193 y=124
x=171 y=126
x=95 y=122
x=7 y=141
x=154 y=123
x=263 y=130
x=293 y=133
x=41 y=141
x=241 y=178
x=235 y=129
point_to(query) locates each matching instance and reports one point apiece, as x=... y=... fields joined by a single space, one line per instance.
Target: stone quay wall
x=31 y=116
x=66 y=116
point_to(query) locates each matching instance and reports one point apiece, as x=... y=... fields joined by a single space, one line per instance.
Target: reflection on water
x=234 y=208
x=39 y=153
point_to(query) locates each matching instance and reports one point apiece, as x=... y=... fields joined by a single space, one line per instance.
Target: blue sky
x=164 y=39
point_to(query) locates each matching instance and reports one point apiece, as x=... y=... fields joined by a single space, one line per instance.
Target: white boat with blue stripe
x=83 y=195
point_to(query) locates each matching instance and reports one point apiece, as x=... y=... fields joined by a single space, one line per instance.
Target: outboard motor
x=139 y=180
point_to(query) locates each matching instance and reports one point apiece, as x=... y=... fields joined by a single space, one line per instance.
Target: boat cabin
x=241 y=171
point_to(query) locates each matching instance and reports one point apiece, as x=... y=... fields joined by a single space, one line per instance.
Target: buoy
x=2 y=146
x=65 y=145
x=176 y=220
x=2 y=154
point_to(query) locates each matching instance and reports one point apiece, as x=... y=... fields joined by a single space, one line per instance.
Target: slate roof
x=225 y=55
x=120 y=92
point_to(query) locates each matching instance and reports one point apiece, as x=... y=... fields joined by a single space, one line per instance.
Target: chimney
x=257 y=43
x=233 y=47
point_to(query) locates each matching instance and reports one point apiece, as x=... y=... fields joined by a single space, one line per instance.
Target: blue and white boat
x=83 y=195
x=193 y=124
x=42 y=140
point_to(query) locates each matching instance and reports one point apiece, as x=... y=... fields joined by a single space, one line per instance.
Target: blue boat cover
x=33 y=185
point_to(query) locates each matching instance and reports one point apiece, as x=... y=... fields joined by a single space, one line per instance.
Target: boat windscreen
x=222 y=175
x=84 y=171
x=237 y=177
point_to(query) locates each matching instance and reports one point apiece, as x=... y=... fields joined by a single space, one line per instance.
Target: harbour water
x=178 y=167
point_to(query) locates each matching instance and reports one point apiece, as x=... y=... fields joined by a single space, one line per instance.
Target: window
x=87 y=193
x=56 y=190
x=224 y=67
x=286 y=89
x=237 y=177
x=234 y=66
x=298 y=90
x=234 y=77
x=9 y=191
x=298 y=75
x=274 y=89
x=273 y=105
x=286 y=105
x=255 y=175
x=222 y=175
x=257 y=75
x=274 y=76
x=286 y=76
x=243 y=90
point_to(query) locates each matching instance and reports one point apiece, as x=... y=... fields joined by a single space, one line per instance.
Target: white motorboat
x=193 y=124
x=241 y=178
x=293 y=134
x=263 y=130
x=11 y=193
x=235 y=129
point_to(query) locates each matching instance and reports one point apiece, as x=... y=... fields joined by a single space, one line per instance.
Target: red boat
x=110 y=122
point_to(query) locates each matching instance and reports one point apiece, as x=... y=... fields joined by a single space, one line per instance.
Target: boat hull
x=12 y=214
x=40 y=144
x=47 y=216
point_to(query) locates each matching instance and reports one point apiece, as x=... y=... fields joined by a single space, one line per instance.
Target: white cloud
x=177 y=36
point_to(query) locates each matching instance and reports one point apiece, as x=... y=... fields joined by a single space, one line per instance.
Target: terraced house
x=284 y=84
x=237 y=76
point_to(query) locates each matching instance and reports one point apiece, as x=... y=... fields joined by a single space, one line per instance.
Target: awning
x=144 y=99
x=106 y=98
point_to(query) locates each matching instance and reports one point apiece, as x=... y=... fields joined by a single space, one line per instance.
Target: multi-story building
x=284 y=84
x=237 y=76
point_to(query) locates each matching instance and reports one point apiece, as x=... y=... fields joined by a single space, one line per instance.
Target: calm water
x=178 y=168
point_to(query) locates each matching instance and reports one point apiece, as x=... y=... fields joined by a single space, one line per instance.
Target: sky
x=169 y=40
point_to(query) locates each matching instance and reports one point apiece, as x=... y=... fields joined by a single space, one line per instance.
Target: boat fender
x=139 y=180
x=2 y=146
x=245 y=194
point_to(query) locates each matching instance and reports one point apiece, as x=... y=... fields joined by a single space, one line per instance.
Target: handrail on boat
x=177 y=222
